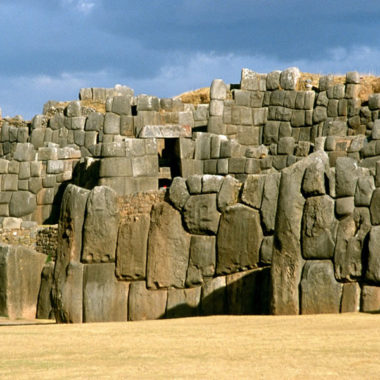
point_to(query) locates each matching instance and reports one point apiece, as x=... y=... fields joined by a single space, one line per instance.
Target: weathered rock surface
x=20 y=279
x=239 y=239
x=144 y=304
x=201 y=215
x=370 y=300
x=178 y=193
x=346 y=175
x=45 y=306
x=100 y=226
x=287 y=260
x=228 y=194
x=183 y=302
x=22 y=203
x=269 y=201
x=373 y=270
x=350 y=298
x=104 y=298
x=68 y=297
x=202 y=260
x=168 y=248
x=318 y=227
x=320 y=292
x=69 y=250
x=253 y=190
x=132 y=244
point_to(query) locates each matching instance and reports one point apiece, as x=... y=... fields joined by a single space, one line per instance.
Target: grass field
x=224 y=347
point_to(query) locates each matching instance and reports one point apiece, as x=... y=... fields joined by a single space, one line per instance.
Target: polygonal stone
x=202 y=259
x=289 y=78
x=218 y=89
x=22 y=203
x=364 y=189
x=350 y=298
x=131 y=251
x=144 y=304
x=100 y=226
x=269 y=200
x=314 y=179
x=20 y=279
x=44 y=306
x=104 y=298
x=373 y=270
x=320 y=292
x=253 y=190
x=183 y=302
x=375 y=207
x=228 y=193
x=200 y=214
x=346 y=175
x=239 y=239
x=344 y=206
x=318 y=227
x=178 y=193
x=168 y=248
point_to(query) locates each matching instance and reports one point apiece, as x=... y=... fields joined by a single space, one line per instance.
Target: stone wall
x=263 y=201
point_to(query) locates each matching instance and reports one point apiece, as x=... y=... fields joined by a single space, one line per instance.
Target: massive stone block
x=202 y=259
x=350 y=298
x=68 y=297
x=346 y=176
x=168 y=248
x=100 y=226
x=69 y=246
x=269 y=201
x=287 y=260
x=248 y=292
x=239 y=239
x=22 y=203
x=201 y=215
x=370 y=300
x=132 y=248
x=183 y=302
x=320 y=292
x=45 y=306
x=20 y=279
x=253 y=190
x=350 y=243
x=318 y=228
x=144 y=304
x=373 y=270
x=104 y=298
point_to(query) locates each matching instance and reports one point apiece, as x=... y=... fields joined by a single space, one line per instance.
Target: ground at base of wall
x=332 y=346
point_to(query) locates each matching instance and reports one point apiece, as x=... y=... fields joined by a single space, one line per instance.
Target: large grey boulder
x=22 y=203
x=373 y=270
x=318 y=228
x=239 y=239
x=131 y=250
x=144 y=304
x=289 y=78
x=253 y=190
x=45 y=306
x=314 y=180
x=68 y=297
x=69 y=248
x=269 y=201
x=168 y=248
x=350 y=298
x=350 y=243
x=229 y=191
x=201 y=215
x=202 y=260
x=178 y=193
x=287 y=261
x=100 y=226
x=364 y=189
x=183 y=303
x=375 y=207
x=320 y=292
x=370 y=300
x=346 y=174
x=20 y=279
x=104 y=298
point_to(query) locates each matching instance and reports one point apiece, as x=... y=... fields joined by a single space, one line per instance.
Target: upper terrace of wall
x=136 y=143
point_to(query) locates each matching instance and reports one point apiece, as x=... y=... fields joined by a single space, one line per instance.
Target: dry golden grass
x=200 y=96
x=225 y=347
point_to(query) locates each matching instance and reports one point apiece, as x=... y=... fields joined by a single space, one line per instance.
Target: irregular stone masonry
x=272 y=173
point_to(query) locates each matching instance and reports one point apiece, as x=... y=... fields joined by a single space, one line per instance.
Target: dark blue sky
x=51 y=48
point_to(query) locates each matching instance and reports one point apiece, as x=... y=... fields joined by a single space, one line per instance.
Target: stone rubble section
x=265 y=200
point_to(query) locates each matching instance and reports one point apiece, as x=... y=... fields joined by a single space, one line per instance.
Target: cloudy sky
x=51 y=48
